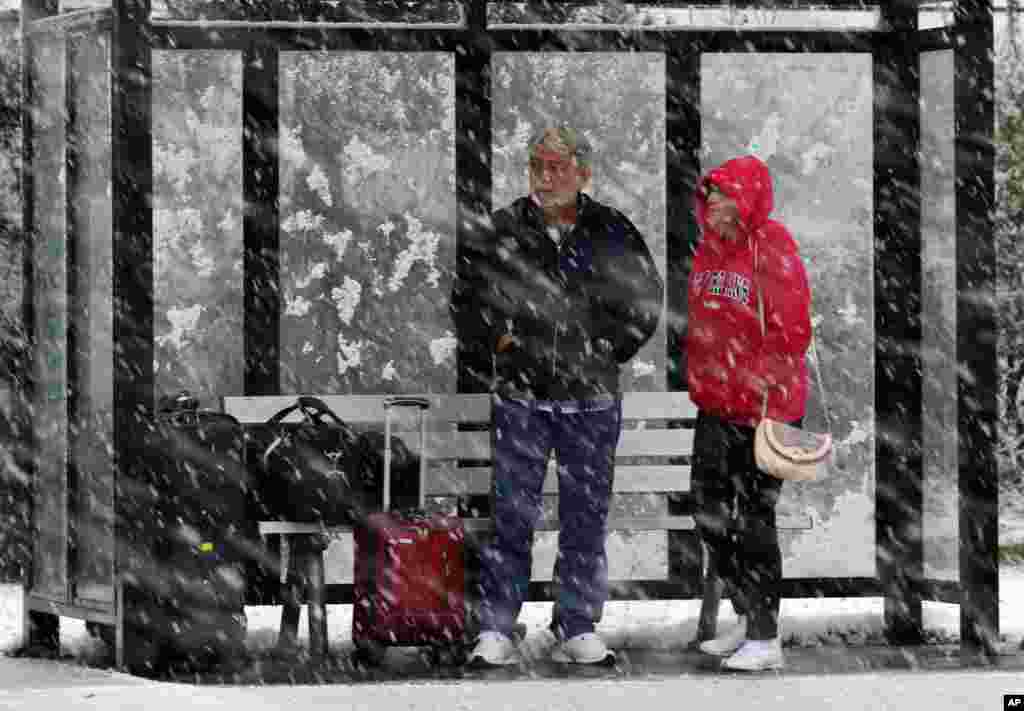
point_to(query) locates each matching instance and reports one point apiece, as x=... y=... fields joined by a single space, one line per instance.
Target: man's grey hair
x=564 y=138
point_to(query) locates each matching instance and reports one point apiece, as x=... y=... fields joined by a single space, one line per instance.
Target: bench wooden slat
x=658 y=406
x=484 y=525
x=358 y=409
x=615 y=523
x=477 y=445
x=629 y=479
x=369 y=409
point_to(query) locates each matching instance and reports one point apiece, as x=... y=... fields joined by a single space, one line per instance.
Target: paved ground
x=837 y=678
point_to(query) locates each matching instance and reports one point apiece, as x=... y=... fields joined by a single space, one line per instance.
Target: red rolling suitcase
x=409 y=571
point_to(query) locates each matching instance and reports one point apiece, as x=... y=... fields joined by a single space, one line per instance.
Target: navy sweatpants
x=736 y=520
x=584 y=444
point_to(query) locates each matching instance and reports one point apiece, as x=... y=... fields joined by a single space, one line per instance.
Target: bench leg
x=291 y=596
x=42 y=634
x=707 y=626
x=316 y=601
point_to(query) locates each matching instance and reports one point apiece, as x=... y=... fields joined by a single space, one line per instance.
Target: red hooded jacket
x=728 y=360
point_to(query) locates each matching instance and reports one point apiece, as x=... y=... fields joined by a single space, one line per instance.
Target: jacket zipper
x=554 y=354
x=558 y=264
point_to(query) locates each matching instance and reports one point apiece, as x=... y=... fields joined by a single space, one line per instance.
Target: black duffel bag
x=313 y=471
x=320 y=470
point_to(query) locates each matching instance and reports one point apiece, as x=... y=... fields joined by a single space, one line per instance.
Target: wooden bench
x=652 y=461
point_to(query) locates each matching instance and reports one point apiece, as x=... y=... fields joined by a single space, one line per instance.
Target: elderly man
x=560 y=296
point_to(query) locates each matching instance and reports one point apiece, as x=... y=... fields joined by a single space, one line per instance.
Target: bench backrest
x=652 y=457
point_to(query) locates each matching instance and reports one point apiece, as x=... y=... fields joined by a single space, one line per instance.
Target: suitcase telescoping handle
x=422 y=404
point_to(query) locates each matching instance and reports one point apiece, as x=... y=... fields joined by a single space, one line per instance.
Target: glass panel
x=92 y=319
x=50 y=298
x=933 y=15
x=617 y=101
x=15 y=537
x=415 y=12
x=367 y=222
x=649 y=15
x=197 y=223
x=10 y=152
x=818 y=145
x=938 y=318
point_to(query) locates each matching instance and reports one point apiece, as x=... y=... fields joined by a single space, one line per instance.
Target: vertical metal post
x=898 y=383
x=682 y=170
x=976 y=326
x=132 y=186
x=262 y=311
x=473 y=177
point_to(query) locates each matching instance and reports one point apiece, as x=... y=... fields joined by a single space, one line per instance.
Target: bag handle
x=309 y=406
x=423 y=404
x=814 y=350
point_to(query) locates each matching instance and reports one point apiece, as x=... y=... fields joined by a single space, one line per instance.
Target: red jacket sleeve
x=783 y=281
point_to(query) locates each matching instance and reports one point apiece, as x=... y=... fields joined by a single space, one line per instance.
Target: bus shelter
x=243 y=135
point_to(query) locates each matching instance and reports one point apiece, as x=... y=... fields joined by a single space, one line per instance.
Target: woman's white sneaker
x=729 y=642
x=756 y=655
x=586 y=648
x=493 y=649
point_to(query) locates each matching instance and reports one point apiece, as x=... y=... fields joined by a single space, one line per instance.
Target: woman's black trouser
x=736 y=520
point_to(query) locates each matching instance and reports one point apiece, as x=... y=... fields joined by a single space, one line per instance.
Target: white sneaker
x=756 y=655
x=586 y=648
x=493 y=649
x=727 y=643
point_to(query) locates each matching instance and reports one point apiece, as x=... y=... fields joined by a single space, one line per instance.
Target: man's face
x=555 y=176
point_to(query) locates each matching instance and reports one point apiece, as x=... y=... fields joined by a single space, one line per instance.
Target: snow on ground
x=661 y=625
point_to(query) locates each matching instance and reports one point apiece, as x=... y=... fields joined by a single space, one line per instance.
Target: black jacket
x=576 y=311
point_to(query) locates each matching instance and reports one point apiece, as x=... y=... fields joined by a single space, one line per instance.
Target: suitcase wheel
x=368 y=654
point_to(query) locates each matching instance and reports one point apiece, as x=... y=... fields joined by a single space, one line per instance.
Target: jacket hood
x=747 y=181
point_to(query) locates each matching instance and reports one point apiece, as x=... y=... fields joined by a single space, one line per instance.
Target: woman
x=731 y=370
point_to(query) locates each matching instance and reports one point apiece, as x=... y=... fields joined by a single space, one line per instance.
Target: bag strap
x=814 y=350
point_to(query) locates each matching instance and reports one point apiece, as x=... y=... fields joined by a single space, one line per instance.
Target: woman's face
x=723 y=215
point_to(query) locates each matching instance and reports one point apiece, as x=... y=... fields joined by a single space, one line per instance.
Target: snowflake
x=389 y=372
x=361 y=160
x=349 y=354
x=422 y=248
x=204 y=263
x=814 y=157
x=290 y=146
x=307 y=348
x=443 y=349
x=183 y=321
x=387 y=228
x=643 y=368
x=317 y=272
x=303 y=220
x=299 y=306
x=338 y=241
x=389 y=79
x=170 y=225
x=858 y=434
x=318 y=182
x=229 y=223
x=346 y=299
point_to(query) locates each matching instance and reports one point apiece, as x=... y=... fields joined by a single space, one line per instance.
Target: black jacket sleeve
x=476 y=321
x=629 y=294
